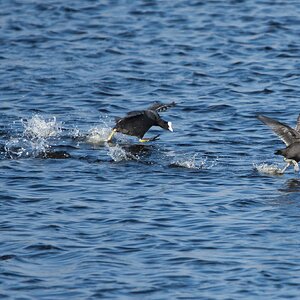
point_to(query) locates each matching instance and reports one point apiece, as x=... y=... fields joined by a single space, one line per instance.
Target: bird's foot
x=296 y=166
x=146 y=140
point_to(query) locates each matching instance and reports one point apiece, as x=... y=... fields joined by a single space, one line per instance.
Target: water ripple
x=203 y=211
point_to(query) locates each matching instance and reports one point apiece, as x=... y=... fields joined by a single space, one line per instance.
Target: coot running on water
x=290 y=136
x=137 y=123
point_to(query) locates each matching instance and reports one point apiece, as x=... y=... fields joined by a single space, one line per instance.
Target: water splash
x=98 y=135
x=264 y=168
x=22 y=148
x=118 y=154
x=33 y=140
x=37 y=127
x=192 y=162
x=75 y=132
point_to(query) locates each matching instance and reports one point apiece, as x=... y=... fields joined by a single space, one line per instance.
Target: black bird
x=137 y=123
x=290 y=136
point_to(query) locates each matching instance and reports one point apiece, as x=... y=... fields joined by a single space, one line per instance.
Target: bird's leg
x=289 y=162
x=296 y=166
x=284 y=169
x=111 y=135
x=145 y=140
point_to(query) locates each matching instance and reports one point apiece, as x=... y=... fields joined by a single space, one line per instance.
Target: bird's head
x=165 y=125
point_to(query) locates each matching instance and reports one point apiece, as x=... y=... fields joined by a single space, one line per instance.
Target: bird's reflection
x=291 y=186
x=138 y=149
x=54 y=155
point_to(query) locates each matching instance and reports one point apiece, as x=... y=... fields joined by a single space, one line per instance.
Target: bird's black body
x=137 y=123
x=290 y=152
x=290 y=136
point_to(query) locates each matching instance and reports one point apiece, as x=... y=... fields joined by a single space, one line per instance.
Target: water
x=203 y=213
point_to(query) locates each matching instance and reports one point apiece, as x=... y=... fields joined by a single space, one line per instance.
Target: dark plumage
x=290 y=152
x=137 y=123
x=290 y=136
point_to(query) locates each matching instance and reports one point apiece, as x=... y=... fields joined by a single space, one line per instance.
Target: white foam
x=265 y=168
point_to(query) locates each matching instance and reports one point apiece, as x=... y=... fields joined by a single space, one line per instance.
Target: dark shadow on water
x=138 y=149
x=55 y=155
x=291 y=186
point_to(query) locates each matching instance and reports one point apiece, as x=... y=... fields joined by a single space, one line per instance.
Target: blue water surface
x=198 y=214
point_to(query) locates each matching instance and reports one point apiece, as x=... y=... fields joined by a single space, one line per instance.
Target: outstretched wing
x=131 y=114
x=159 y=107
x=135 y=113
x=287 y=134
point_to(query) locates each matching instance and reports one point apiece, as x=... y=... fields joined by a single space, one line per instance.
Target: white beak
x=170 y=126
